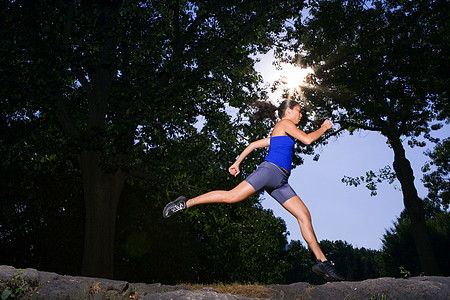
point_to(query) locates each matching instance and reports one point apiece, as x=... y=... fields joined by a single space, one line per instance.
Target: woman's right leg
x=297 y=208
x=239 y=193
x=322 y=266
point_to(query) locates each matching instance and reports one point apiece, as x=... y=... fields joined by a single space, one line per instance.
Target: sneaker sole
x=166 y=213
x=326 y=276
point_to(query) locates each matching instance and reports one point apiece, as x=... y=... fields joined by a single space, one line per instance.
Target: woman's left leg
x=237 y=194
x=299 y=210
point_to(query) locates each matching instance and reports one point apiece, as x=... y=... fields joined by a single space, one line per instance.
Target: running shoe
x=177 y=205
x=327 y=270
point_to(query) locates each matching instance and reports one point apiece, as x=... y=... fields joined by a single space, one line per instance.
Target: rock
x=47 y=285
x=6 y=272
x=416 y=288
x=205 y=294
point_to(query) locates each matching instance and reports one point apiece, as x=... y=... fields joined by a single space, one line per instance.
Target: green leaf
x=6 y=294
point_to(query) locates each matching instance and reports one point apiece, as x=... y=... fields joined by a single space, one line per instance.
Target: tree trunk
x=101 y=196
x=414 y=208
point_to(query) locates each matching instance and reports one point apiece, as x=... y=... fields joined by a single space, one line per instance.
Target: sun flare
x=294 y=77
x=284 y=80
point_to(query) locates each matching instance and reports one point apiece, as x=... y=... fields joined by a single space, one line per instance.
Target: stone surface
x=46 y=285
x=381 y=288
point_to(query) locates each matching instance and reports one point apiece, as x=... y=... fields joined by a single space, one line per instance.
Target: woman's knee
x=302 y=215
x=239 y=193
x=231 y=197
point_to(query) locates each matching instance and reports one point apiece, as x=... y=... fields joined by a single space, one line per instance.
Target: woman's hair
x=265 y=109
x=284 y=105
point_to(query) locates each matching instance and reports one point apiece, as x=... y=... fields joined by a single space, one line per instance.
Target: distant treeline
x=214 y=243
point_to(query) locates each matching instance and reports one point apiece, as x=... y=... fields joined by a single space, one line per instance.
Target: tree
x=127 y=78
x=214 y=243
x=255 y=241
x=438 y=181
x=354 y=263
x=382 y=66
x=298 y=258
x=40 y=211
x=398 y=246
x=217 y=243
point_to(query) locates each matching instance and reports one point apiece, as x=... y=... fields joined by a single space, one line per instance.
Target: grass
x=244 y=290
x=16 y=287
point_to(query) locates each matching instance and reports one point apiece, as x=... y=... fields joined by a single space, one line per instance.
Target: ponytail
x=265 y=109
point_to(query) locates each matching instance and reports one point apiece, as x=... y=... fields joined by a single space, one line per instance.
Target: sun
x=294 y=77
x=283 y=80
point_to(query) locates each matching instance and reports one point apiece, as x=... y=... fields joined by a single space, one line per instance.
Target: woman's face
x=295 y=114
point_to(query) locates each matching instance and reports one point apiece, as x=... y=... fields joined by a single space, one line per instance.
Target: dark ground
x=44 y=285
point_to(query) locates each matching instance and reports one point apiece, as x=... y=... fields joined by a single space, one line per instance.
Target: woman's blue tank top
x=281 y=151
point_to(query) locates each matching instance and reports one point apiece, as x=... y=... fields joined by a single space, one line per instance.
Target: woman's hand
x=234 y=169
x=327 y=124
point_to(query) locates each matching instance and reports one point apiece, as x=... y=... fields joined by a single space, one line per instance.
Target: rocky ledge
x=34 y=284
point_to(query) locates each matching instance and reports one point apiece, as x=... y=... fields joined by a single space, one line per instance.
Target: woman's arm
x=306 y=138
x=234 y=169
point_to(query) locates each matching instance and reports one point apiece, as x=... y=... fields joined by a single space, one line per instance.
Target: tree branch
x=334 y=133
x=347 y=124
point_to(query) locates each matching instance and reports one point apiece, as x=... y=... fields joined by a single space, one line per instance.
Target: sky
x=341 y=212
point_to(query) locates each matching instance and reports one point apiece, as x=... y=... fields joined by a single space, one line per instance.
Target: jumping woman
x=272 y=175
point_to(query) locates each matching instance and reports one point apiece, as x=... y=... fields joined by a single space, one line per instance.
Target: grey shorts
x=273 y=179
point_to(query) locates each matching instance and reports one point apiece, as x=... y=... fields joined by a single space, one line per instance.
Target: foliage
x=300 y=261
x=153 y=97
x=219 y=243
x=41 y=208
x=372 y=179
x=398 y=253
x=255 y=242
x=438 y=180
x=102 y=95
x=405 y=273
x=381 y=66
x=380 y=62
x=354 y=263
x=375 y=297
x=17 y=287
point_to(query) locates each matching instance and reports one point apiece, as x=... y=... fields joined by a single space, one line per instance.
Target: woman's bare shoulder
x=281 y=127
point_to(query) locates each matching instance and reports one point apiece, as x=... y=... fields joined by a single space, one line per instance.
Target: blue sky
x=341 y=212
